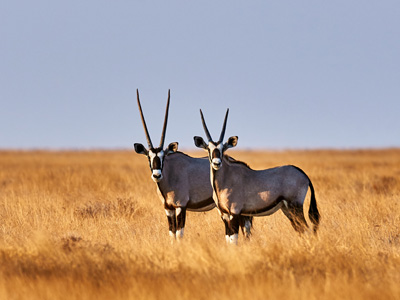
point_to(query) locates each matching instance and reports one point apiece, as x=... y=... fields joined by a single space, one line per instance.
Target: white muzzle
x=157 y=175
x=216 y=163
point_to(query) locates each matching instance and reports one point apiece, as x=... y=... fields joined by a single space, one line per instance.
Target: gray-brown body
x=183 y=182
x=241 y=190
x=186 y=183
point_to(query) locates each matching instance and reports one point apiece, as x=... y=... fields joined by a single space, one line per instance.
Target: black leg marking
x=181 y=219
x=296 y=216
x=228 y=230
x=171 y=221
x=234 y=224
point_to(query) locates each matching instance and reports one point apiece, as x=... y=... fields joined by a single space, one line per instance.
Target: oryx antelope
x=240 y=190
x=183 y=182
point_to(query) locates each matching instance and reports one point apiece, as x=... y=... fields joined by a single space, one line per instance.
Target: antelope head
x=155 y=155
x=215 y=149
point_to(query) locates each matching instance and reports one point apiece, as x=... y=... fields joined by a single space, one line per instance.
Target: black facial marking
x=156 y=163
x=216 y=153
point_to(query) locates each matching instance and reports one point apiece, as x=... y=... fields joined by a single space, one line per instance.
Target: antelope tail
x=313 y=212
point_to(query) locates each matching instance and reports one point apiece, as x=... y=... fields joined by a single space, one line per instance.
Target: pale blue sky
x=295 y=74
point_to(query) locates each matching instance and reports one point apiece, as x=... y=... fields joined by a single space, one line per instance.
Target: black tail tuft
x=313 y=212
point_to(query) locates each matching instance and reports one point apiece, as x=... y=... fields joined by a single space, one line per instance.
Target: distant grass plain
x=89 y=225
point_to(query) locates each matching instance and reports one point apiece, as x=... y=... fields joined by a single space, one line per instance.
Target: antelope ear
x=172 y=148
x=140 y=149
x=199 y=142
x=232 y=142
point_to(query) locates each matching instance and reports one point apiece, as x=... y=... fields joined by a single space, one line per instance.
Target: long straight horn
x=165 y=123
x=205 y=127
x=143 y=121
x=221 y=137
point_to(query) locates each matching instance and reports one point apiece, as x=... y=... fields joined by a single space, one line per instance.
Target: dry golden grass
x=89 y=225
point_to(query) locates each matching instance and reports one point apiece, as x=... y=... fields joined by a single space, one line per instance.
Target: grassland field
x=89 y=225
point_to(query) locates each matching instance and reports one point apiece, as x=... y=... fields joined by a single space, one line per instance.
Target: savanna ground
x=89 y=225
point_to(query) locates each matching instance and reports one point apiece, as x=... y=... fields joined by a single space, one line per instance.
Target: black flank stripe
x=267 y=208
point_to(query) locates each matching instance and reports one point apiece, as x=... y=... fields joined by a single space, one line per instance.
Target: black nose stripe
x=156 y=163
x=216 y=154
